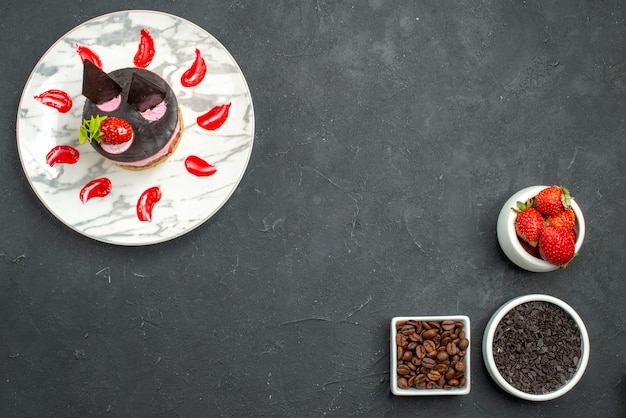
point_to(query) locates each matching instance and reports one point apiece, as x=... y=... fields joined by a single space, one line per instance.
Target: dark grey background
x=388 y=136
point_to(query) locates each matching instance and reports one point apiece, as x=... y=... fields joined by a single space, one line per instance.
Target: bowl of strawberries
x=541 y=228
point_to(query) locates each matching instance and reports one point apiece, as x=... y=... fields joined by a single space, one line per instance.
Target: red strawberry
x=534 y=251
x=115 y=131
x=529 y=223
x=110 y=130
x=552 y=200
x=556 y=246
x=564 y=219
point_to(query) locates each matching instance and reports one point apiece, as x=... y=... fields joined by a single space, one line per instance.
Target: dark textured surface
x=388 y=137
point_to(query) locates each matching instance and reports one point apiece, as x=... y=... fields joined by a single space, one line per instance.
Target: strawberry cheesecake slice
x=131 y=116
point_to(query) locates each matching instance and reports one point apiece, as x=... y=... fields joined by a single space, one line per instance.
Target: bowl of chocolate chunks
x=536 y=347
x=430 y=355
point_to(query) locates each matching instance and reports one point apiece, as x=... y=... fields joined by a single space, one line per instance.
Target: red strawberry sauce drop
x=63 y=154
x=56 y=99
x=146 y=203
x=87 y=54
x=199 y=167
x=214 y=118
x=195 y=74
x=95 y=188
x=145 y=50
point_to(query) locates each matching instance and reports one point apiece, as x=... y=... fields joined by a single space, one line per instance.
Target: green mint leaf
x=90 y=129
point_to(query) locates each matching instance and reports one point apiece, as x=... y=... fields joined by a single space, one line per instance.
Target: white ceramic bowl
x=396 y=390
x=508 y=238
x=488 y=337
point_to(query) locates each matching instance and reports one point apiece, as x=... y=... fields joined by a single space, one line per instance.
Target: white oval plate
x=187 y=200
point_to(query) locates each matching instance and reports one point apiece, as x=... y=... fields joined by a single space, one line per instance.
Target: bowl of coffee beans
x=430 y=355
x=540 y=228
x=536 y=347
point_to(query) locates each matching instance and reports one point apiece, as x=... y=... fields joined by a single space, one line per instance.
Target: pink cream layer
x=162 y=153
x=156 y=112
x=117 y=148
x=111 y=105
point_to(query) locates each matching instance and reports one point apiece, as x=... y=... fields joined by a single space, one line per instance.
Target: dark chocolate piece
x=143 y=94
x=97 y=85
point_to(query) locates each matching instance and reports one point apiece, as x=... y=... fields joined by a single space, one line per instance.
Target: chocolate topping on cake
x=97 y=85
x=143 y=94
x=149 y=136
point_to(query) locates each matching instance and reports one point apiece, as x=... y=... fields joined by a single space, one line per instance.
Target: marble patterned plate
x=187 y=200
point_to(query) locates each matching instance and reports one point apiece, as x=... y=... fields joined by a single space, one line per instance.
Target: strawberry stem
x=566 y=198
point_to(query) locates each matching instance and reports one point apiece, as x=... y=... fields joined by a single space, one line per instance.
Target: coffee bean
x=403 y=369
x=448 y=325
x=460 y=366
x=442 y=368
x=428 y=362
x=415 y=338
x=407 y=329
x=400 y=352
x=420 y=351
x=453 y=382
x=430 y=334
x=442 y=356
x=408 y=355
x=433 y=375
x=403 y=383
x=429 y=346
x=452 y=349
x=402 y=340
x=463 y=344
